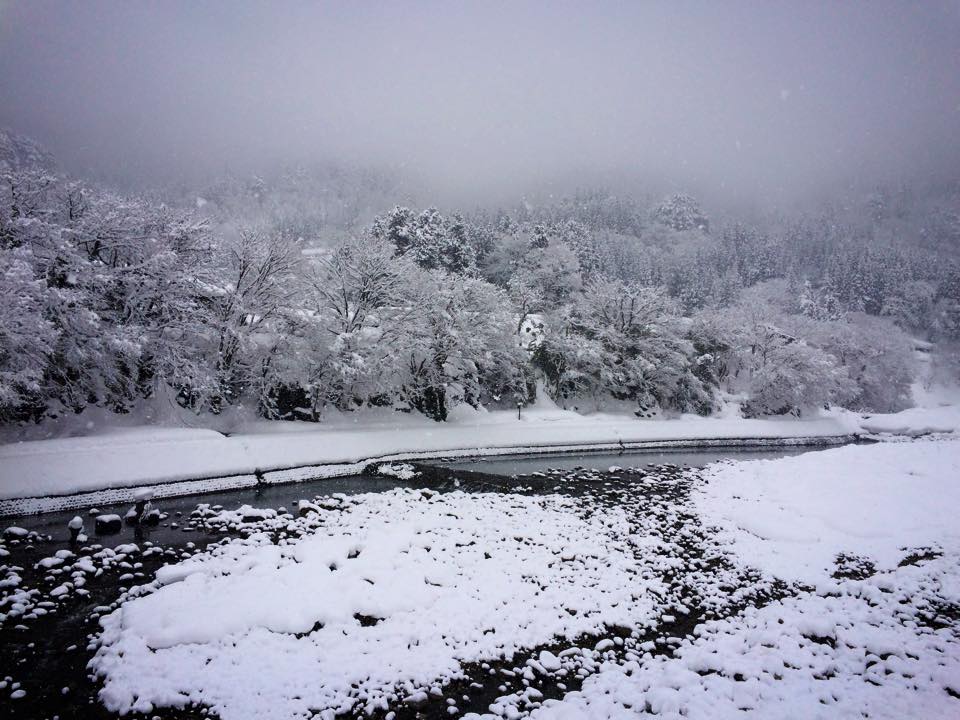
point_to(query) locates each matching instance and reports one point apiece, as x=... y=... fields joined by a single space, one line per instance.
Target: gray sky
x=489 y=100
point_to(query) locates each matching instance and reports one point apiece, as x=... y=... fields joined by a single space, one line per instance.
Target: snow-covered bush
x=877 y=356
x=627 y=342
x=752 y=350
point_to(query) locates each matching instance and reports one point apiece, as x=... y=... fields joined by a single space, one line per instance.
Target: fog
x=747 y=102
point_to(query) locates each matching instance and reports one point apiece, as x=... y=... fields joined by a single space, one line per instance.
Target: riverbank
x=825 y=581
x=42 y=475
x=696 y=593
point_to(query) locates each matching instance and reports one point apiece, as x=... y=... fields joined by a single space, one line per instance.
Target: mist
x=739 y=102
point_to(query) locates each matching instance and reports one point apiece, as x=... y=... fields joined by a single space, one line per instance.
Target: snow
x=792 y=516
x=262 y=630
x=400 y=471
x=766 y=663
x=915 y=421
x=143 y=494
x=849 y=648
x=380 y=600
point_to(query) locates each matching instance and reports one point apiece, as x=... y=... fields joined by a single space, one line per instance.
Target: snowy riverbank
x=152 y=456
x=189 y=460
x=407 y=598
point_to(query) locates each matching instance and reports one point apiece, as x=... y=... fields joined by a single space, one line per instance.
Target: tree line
x=598 y=301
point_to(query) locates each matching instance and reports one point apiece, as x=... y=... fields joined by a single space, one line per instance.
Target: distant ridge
x=18 y=152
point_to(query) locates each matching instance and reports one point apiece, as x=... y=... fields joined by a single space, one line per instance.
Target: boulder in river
x=107 y=524
x=305 y=507
x=75 y=526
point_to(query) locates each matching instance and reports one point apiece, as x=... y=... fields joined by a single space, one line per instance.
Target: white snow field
x=791 y=517
x=383 y=599
x=258 y=630
x=878 y=646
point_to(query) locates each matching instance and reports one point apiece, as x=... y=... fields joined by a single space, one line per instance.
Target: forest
x=319 y=288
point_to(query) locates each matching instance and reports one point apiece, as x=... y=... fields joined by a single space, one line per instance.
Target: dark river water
x=526 y=464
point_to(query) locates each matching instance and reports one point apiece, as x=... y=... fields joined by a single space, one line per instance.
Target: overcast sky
x=487 y=100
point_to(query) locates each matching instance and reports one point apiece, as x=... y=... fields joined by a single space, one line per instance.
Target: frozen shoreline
x=65 y=473
x=177 y=488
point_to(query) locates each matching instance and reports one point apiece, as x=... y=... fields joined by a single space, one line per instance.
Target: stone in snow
x=305 y=507
x=549 y=661
x=108 y=524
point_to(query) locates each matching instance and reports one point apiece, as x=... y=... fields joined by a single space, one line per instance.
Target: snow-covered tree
x=27 y=338
x=877 y=357
x=626 y=341
x=118 y=287
x=790 y=376
x=457 y=253
x=358 y=305
x=681 y=212
x=753 y=349
x=396 y=227
x=432 y=241
x=459 y=345
x=258 y=281
x=912 y=305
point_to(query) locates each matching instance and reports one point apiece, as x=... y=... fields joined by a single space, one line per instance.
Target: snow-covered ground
x=876 y=634
x=263 y=630
x=914 y=422
x=826 y=585
x=791 y=517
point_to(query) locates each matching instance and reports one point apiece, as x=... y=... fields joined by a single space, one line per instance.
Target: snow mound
x=387 y=596
x=793 y=516
x=915 y=422
x=401 y=471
